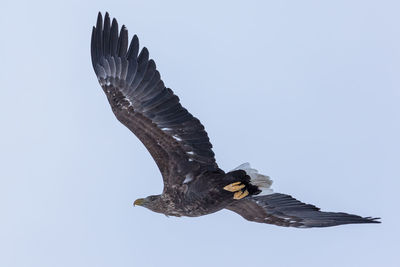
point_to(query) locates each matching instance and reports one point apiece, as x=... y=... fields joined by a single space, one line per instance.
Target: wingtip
x=145 y=51
x=99 y=23
x=106 y=19
x=373 y=220
x=100 y=17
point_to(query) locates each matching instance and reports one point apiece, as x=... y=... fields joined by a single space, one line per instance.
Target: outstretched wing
x=175 y=139
x=284 y=210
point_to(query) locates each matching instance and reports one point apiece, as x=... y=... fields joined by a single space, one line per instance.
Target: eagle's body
x=196 y=197
x=200 y=194
x=194 y=185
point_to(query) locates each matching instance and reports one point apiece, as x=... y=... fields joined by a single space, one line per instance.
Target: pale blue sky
x=306 y=91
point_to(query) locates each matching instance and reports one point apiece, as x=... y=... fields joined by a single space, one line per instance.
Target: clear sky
x=306 y=91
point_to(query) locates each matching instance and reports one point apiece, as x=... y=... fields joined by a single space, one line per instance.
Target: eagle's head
x=153 y=203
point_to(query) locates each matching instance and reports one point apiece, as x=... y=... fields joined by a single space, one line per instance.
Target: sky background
x=306 y=91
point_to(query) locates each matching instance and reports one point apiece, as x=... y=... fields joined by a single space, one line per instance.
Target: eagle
x=194 y=185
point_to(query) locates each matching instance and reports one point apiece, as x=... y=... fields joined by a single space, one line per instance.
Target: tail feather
x=263 y=182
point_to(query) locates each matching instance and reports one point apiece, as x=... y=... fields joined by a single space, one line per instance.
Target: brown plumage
x=177 y=141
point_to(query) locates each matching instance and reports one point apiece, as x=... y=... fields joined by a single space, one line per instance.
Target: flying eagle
x=194 y=185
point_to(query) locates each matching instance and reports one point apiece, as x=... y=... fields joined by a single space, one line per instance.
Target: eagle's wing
x=175 y=139
x=284 y=210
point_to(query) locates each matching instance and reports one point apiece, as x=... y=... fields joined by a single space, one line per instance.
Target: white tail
x=262 y=181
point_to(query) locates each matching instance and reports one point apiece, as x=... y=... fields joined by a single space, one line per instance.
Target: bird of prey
x=194 y=185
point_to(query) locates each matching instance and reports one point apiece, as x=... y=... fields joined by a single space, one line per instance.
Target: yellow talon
x=234 y=187
x=240 y=194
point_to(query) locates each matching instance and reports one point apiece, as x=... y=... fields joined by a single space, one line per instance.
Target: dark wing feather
x=175 y=139
x=284 y=210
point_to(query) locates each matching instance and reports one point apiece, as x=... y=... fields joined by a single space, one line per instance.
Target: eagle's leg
x=240 y=194
x=234 y=187
x=239 y=183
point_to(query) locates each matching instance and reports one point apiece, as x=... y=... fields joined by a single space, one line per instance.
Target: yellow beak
x=138 y=202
